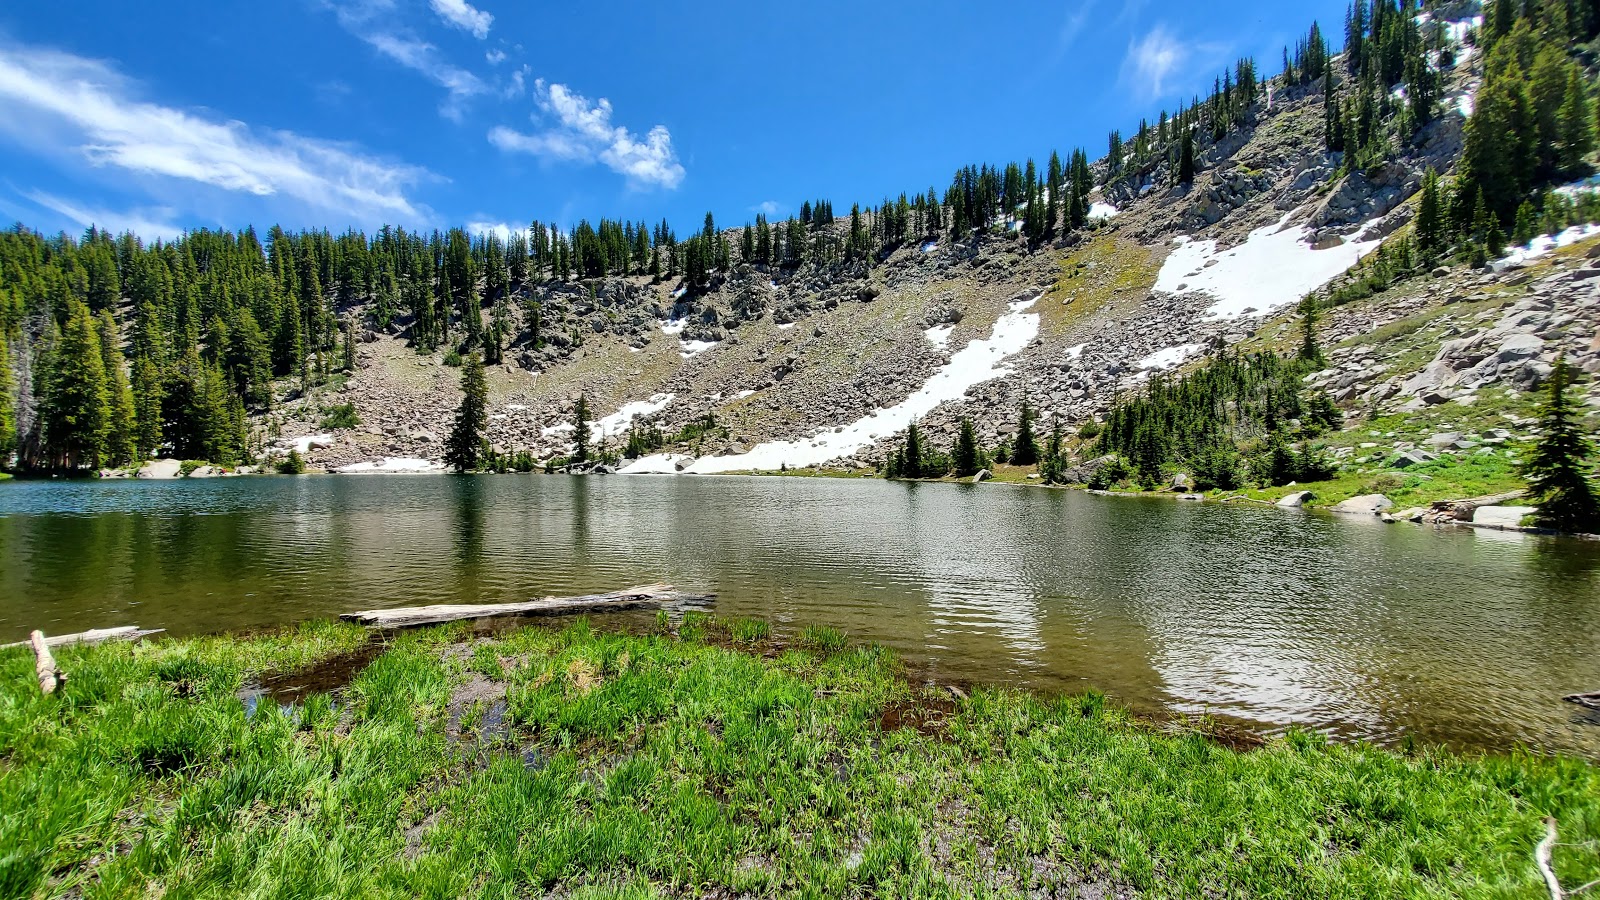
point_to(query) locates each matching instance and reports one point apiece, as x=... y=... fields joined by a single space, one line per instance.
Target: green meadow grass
x=710 y=760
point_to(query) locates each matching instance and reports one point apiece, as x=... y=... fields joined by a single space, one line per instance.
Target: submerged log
x=631 y=598
x=44 y=665
x=92 y=636
x=1592 y=701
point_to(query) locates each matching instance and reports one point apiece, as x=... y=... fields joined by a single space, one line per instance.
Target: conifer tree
x=1310 y=350
x=1025 y=449
x=911 y=456
x=1558 y=472
x=965 y=456
x=465 y=445
x=1575 y=124
x=8 y=405
x=121 y=436
x=1430 y=219
x=580 y=417
x=1186 y=159
x=76 y=411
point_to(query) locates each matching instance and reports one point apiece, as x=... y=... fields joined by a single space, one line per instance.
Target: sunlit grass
x=676 y=763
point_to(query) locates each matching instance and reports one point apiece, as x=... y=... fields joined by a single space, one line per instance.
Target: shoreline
x=576 y=758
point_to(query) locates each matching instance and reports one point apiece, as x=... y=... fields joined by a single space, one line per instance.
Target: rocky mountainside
x=821 y=365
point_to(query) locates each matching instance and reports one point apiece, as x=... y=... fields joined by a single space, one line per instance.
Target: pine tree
x=149 y=398
x=580 y=416
x=466 y=443
x=911 y=458
x=1527 y=226
x=76 y=410
x=123 y=427
x=1186 y=159
x=965 y=456
x=1430 y=219
x=8 y=405
x=1025 y=450
x=1575 y=124
x=1558 y=471
x=1310 y=350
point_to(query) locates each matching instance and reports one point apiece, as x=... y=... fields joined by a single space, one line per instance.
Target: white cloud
x=370 y=20
x=495 y=57
x=1151 y=60
x=461 y=14
x=519 y=83
x=59 y=104
x=768 y=208
x=423 y=57
x=581 y=132
x=150 y=224
x=499 y=229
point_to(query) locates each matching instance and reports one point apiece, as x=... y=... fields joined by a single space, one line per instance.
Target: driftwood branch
x=92 y=636
x=1592 y=701
x=632 y=598
x=44 y=665
x=1541 y=858
x=1462 y=510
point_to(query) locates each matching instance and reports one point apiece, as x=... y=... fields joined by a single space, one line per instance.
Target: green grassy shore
x=707 y=759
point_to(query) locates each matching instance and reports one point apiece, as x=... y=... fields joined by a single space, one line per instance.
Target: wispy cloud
x=495 y=57
x=1152 y=60
x=583 y=132
x=462 y=15
x=371 y=21
x=768 y=208
x=59 y=104
x=150 y=224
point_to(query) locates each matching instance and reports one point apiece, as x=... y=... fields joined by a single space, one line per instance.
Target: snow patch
x=618 y=422
x=554 y=430
x=391 y=465
x=1168 y=357
x=979 y=361
x=1076 y=351
x=743 y=394
x=1102 y=210
x=300 y=444
x=1274 y=267
x=691 y=349
x=939 y=335
x=1544 y=245
x=673 y=326
x=657 y=464
x=930 y=246
x=786 y=326
x=1464 y=105
x=679 y=292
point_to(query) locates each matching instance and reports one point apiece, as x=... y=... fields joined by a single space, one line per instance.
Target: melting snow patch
x=1168 y=357
x=554 y=430
x=939 y=335
x=673 y=326
x=619 y=421
x=1464 y=105
x=391 y=465
x=743 y=394
x=691 y=349
x=679 y=292
x=979 y=361
x=658 y=464
x=785 y=326
x=930 y=246
x=303 y=444
x=1273 y=268
x=1102 y=210
x=1544 y=244
x=1075 y=351
x=515 y=407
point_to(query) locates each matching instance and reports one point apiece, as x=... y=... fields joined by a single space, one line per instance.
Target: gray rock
x=1501 y=516
x=982 y=475
x=1296 y=499
x=1365 y=505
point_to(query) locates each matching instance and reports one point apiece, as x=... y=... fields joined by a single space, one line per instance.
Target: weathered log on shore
x=631 y=598
x=44 y=665
x=92 y=636
x=1462 y=510
x=1592 y=701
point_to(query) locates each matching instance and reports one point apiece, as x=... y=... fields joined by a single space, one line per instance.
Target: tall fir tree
x=965 y=457
x=1558 y=471
x=464 y=448
x=1025 y=449
x=123 y=426
x=76 y=409
x=580 y=416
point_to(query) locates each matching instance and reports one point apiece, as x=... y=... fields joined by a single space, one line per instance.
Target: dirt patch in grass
x=322 y=677
x=929 y=716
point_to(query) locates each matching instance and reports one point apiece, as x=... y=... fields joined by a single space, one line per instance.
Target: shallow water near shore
x=1359 y=629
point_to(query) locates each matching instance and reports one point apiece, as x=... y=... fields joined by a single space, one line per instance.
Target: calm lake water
x=1275 y=617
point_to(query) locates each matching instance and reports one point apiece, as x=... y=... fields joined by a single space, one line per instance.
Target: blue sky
x=159 y=117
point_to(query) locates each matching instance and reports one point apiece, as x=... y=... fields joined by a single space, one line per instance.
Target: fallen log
x=631 y=598
x=1592 y=701
x=44 y=665
x=92 y=636
x=1462 y=510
